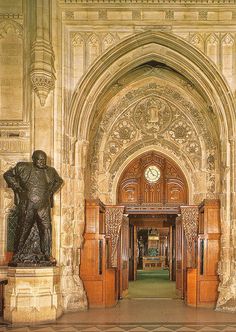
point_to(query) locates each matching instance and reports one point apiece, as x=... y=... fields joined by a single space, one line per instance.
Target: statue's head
x=39 y=158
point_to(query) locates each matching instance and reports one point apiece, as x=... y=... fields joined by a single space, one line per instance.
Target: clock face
x=152 y=173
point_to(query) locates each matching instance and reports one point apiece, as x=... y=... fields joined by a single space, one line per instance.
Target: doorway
x=152 y=260
x=152 y=188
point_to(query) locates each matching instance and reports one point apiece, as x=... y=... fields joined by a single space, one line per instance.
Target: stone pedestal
x=32 y=295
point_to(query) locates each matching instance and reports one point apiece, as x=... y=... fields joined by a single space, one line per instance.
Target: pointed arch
x=166 y=48
x=6 y=25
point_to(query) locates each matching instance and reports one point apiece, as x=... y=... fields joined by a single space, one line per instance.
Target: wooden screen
x=169 y=189
x=98 y=277
x=208 y=252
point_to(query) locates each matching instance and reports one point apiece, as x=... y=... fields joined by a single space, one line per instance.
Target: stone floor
x=139 y=315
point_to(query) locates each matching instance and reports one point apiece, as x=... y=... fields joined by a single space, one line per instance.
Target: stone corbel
x=42 y=55
x=42 y=70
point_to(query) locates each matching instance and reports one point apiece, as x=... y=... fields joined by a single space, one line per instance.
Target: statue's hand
x=18 y=188
x=49 y=192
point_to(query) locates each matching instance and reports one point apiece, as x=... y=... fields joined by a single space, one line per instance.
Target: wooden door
x=93 y=264
x=131 y=252
x=179 y=256
x=96 y=272
x=172 y=253
x=208 y=253
x=123 y=267
x=135 y=252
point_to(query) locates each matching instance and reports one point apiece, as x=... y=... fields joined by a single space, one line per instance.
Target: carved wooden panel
x=175 y=192
x=98 y=278
x=135 y=188
x=130 y=191
x=152 y=193
x=208 y=253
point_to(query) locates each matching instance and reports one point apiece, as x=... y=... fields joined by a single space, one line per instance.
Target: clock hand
x=152 y=171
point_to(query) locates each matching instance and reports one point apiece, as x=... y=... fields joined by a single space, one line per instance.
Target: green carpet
x=150 y=284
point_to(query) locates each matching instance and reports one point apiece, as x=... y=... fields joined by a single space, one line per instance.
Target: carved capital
x=43 y=83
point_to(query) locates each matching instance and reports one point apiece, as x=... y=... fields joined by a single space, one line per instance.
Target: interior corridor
x=143 y=315
x=152 y=284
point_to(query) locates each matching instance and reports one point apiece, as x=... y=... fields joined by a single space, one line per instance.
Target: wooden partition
x=123 y=272
x=98 y=277
x=179 y=257
x=208 y=252
x=202 y=280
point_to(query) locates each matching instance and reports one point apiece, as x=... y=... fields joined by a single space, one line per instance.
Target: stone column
x=227 y=265
x=72 y=227
x=42 y=56
x=42 y=75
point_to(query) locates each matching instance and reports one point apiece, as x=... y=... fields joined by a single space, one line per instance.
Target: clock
x=152 y=173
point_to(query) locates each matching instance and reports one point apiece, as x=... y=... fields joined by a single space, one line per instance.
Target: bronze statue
x=34 y=185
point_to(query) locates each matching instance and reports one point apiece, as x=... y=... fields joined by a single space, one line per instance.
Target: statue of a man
x=34 y=185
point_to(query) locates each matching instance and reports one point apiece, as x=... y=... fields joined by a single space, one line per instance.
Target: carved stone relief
x=153 y=114
x=219 y=47
x=154 y=118
x=14 y=139
x=87 y=47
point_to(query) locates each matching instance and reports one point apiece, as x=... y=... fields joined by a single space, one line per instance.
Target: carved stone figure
x=34 y=184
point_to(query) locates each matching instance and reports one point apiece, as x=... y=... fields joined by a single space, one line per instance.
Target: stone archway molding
x=138 y=49
x=179 y=55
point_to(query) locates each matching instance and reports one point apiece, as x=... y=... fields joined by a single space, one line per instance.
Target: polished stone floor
x=139 y=315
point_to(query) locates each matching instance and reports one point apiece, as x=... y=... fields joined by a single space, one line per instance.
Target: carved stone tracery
x=7 y=25
x=152 y=114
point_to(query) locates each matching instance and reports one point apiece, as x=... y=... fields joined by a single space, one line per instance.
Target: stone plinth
x=32 y=295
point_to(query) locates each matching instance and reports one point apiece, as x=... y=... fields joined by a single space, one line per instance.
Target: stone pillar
x=227 y=265
x=32 y=295
x=72 y=227
x=42 y=74
x=42 y=66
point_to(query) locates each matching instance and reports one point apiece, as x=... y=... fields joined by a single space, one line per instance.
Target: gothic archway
x=195 y=92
